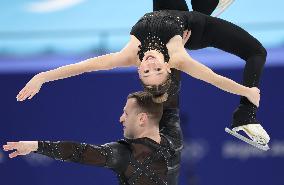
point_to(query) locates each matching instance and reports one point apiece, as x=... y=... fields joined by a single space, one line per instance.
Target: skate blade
x=239 y=136
x=219 y=11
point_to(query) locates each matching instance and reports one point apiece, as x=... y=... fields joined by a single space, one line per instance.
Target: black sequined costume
x=158 y=28
x=135 y=161
x=172 y=17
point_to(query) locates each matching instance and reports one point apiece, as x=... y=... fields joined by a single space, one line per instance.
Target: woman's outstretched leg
x=204 y=6
x=170 y=5
x=208 y=6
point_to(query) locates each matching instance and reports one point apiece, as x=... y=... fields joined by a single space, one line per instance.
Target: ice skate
x=221 y=7
x=257 y=136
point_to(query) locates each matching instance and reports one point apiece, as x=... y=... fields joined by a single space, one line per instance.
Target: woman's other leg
x=209 y=31
x=226 y=36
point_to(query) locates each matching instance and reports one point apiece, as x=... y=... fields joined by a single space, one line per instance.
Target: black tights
x=207 y=31
x=202 y=6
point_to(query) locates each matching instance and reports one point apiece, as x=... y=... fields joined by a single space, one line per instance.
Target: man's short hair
x=145 y=103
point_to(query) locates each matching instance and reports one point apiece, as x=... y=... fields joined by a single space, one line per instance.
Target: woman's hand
x=253 y=95
x=31 y=88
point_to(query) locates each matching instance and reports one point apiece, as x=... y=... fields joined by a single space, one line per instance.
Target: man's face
x=130 y=119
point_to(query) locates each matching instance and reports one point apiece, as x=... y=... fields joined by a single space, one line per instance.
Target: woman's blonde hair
x=159 y=92
x=162 y=92
x=160 y=99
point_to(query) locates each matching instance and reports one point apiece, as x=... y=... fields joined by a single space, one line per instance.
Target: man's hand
x=21 y=147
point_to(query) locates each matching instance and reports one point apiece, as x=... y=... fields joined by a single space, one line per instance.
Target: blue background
x=86 y=108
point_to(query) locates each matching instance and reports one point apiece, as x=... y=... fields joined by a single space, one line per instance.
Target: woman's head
x=154 y=74
x=153 y=70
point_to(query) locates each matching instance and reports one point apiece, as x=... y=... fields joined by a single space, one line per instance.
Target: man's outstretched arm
x=61 y=150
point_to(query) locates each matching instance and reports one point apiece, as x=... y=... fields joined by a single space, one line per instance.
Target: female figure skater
x=158 y=43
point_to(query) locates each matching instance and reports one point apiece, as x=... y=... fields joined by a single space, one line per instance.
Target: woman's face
x=153 y=70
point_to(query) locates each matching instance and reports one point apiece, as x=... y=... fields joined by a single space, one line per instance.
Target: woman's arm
x=185 y=63
x=126 y=57
x=123 y=58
